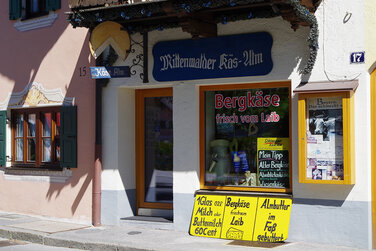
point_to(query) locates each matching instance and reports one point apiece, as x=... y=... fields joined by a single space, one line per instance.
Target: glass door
x=154 y=145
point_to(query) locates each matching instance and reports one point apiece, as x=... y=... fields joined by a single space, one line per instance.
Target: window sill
x=36 y=23
x=244 y=193
x=37 y=175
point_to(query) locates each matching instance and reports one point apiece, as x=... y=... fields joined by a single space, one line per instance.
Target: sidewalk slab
x=49 y=227
x=131 y=235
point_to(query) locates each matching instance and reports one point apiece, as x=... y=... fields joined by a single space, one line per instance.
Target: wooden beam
x=198 y=26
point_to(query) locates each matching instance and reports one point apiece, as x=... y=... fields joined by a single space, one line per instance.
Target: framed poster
x=326 y=138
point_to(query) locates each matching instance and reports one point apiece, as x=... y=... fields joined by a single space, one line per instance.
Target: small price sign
x=357 y=57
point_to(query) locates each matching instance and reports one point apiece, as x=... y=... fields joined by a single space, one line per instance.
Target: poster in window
x=324 y=138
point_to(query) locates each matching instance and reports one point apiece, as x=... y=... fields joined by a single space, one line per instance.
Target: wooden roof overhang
x=197 y=17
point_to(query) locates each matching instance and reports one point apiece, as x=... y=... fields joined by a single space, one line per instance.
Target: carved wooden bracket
x=288 y=13
x=198 y=25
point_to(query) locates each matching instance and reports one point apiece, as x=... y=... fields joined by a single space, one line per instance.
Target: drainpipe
x=109 y=59
x=96 y=210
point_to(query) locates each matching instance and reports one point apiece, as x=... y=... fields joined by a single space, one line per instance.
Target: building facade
x=47 y=115
x=241 y=98
x=191 y=107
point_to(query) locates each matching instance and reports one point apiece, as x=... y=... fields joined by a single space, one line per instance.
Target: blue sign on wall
x=357 y=57
x=99 y=72
x=220 y=57
x=109 y=72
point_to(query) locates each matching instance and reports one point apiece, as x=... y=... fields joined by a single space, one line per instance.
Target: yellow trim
x=302 y=139
x=373 y=156
x=203 y=89
x=109 y=33
x=348 y=137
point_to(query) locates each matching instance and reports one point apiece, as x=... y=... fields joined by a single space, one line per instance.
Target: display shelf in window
x=245 y=137
x=326 y=135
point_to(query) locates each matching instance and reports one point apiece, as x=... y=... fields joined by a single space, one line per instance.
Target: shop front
x=242 y=135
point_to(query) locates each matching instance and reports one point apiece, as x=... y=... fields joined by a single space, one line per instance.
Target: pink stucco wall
x=52 y=57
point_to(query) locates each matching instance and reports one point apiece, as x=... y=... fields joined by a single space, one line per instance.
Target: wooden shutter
x=53 y=5
x=68 y=140
x=14 y=9
x=3 y=138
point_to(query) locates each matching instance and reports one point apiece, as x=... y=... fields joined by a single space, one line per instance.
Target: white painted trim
x=36 y=23
x=37 y=175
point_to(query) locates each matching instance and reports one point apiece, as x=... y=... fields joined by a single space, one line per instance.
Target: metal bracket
x=141 y=60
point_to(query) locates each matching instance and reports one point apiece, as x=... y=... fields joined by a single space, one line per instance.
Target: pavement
x=132 y=234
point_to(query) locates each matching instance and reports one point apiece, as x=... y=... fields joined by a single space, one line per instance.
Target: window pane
x=47 y=124
x=57 y=129
x=46 y=150
x=158 y=150
x=31 y=125
x=247 y=135
x=57 y=144
x=31 y=149
x=19 y=125
x=19 y=149
x=34 y=6
x=324 y=138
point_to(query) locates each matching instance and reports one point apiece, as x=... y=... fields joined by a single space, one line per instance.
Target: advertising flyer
x=241 y=218
x=324 y=138
x=273 y=162
x=272 y=222
x=239 y=214
x=207 y=218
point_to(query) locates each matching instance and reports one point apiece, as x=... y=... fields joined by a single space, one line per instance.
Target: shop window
x=326 y=134
x=41 y=137
x=245 y=137
x=27 y=9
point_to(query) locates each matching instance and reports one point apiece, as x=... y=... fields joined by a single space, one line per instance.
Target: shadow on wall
x=23 y=54
x=322 y=195
x=83 y=90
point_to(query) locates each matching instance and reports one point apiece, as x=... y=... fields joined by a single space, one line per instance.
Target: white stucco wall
x=370 y=34
x=337 y=214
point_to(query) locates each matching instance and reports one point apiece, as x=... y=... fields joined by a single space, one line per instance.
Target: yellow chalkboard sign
x=272 y=221
x=207 y=218
x=241 y=217
x=239 y=214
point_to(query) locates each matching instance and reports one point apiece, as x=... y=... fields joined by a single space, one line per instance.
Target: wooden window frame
x=348 y=137
x=140 y=146
x=202 y=90
x=38 y=163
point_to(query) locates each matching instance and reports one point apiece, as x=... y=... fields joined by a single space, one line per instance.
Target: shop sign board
x=263 y=219
x=220 y=57
x=100 y=72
